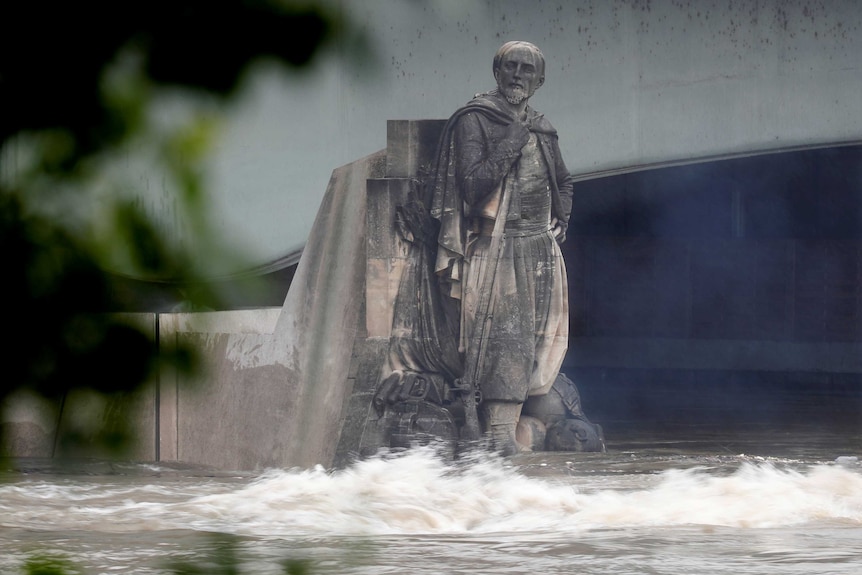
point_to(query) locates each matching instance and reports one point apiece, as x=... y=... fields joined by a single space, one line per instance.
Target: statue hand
x=517 y=135
x=559 y=228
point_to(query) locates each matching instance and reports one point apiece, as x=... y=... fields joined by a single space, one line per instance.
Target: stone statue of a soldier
x=499 y=168
x=481 y=317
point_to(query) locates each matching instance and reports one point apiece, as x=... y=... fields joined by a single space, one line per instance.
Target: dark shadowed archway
x=724 y=293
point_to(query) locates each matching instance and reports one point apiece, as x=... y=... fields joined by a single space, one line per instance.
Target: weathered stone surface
x=417 y=142
x=386 y=252
x=239 y=417
x=531 y=433
x=359 y=434
x=574 y=435
x=276 y=392
x=26 y=439
x=465 y=275
x=29 y=425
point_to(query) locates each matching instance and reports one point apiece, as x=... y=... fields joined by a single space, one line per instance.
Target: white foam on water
x=420 y=493
x=756 y=495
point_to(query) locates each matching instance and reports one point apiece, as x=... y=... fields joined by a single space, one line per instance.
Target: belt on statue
x=515 y=228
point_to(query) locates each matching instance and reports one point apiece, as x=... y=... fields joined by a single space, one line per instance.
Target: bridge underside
x=722 y=293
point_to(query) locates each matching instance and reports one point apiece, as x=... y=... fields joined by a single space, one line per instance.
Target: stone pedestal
x=410 y=148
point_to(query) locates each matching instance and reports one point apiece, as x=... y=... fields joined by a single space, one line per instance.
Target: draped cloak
x=445 y=198
x=431 y=333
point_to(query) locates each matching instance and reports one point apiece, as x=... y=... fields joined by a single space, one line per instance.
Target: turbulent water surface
x=772 y=505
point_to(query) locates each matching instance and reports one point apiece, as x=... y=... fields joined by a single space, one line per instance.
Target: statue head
x=519 y=68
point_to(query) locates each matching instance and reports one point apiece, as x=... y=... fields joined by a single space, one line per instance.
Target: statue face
x=519 y=74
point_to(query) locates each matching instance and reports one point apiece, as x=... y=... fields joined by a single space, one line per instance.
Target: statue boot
x=501 y=421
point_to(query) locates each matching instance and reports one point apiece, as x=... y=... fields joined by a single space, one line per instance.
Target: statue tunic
x=527 y=336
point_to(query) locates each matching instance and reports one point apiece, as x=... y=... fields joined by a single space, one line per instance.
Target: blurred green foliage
x=49 y=566
x=223 y=558
x=78 y=84
x=53 y=57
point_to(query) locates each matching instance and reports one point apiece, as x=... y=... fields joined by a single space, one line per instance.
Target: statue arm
x=482 y=163
x=564 y=184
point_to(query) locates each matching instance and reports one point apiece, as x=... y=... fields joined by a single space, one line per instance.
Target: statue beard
x=515 y=95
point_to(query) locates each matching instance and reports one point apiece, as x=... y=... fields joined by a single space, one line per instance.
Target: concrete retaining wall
x=275 y=380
